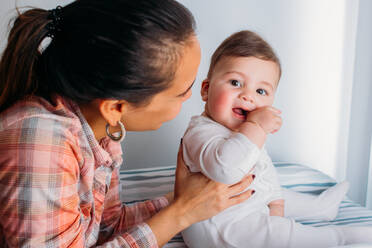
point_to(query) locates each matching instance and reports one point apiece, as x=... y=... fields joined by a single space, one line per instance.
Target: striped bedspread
x=142 y=184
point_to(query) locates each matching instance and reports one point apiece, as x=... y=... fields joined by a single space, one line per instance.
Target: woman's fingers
x=236 y=191
x=181 y=171
x=242 y=185
x=187 y=183
x=241 y=197
x=203 y=198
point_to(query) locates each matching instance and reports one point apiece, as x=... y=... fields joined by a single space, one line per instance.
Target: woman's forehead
x=188 y=67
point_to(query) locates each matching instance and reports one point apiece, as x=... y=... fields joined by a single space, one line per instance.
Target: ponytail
x=19 y=59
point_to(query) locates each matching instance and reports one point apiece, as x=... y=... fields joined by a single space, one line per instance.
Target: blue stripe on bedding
x=143 y=184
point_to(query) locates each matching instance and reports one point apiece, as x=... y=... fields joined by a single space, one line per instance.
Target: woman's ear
x=112 y=110
x=204 y=90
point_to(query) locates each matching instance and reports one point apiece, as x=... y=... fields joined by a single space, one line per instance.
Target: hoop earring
x=121 y=135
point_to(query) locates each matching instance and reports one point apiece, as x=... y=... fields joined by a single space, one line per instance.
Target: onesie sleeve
x=271 y=177
x=222 y=157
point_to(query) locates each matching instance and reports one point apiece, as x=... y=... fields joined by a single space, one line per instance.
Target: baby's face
x=238 y=86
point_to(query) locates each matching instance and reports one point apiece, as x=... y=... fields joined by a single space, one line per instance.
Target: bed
x=142 y=184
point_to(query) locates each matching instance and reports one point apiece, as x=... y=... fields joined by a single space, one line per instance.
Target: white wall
x=315 y=40
x=369 y=187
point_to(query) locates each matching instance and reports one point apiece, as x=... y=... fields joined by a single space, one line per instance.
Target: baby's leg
x=203 y=234
x=308 y=206
x=259 y=230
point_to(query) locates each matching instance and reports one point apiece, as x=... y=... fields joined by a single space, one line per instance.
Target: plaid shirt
x=59 y=187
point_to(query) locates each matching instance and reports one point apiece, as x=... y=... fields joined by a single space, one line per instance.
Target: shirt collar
x=106 y=151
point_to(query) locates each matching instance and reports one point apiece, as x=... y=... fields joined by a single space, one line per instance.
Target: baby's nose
x=247 y=98
x=248 y=101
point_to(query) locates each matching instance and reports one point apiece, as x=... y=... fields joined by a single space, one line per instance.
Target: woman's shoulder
x=38 y=118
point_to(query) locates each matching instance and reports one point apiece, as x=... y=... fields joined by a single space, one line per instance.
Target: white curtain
x=369 y=188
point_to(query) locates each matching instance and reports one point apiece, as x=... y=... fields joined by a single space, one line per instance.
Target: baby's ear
x=204 y=90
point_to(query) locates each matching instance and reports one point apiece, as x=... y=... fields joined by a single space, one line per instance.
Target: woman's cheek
x=175 y=111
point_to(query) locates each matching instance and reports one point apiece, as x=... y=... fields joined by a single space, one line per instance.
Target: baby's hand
x=277 y=208
x=267 y=118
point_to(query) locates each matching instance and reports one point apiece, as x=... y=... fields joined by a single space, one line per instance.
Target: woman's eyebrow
x=184 y=93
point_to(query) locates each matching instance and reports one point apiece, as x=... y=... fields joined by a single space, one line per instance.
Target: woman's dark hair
x=111 y=49
x=244 y=43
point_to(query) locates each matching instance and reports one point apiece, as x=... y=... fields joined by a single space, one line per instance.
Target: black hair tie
x=55 y=15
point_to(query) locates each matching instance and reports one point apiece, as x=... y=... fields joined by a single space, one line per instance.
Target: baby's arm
x=225 y=158
x=253 y=132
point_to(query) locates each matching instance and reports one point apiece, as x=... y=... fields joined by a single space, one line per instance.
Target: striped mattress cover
x=143 y=184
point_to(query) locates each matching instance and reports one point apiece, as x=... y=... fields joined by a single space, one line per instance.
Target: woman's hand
x=200 y=198
x=170 y=197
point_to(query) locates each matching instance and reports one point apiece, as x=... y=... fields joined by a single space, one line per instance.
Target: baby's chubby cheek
x=221 y=103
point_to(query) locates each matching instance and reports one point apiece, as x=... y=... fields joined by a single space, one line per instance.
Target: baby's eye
x=236 y=83
x=261 y=92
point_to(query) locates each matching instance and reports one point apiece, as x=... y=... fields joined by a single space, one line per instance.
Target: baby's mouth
x=240 y=112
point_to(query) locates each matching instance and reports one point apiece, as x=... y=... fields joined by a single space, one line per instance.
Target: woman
x=109 y=65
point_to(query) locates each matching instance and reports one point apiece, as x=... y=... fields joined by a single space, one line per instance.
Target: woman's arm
x=45 y=201
x=118 y=218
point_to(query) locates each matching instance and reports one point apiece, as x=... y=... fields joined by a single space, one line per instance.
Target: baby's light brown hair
x=244 y=44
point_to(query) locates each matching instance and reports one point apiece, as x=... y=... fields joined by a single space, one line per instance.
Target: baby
x=226 y=143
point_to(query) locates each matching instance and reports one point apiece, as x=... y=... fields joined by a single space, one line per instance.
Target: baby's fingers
x=277 y=125
x=274 y=110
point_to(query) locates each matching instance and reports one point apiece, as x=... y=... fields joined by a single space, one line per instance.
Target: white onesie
x=226 y=156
